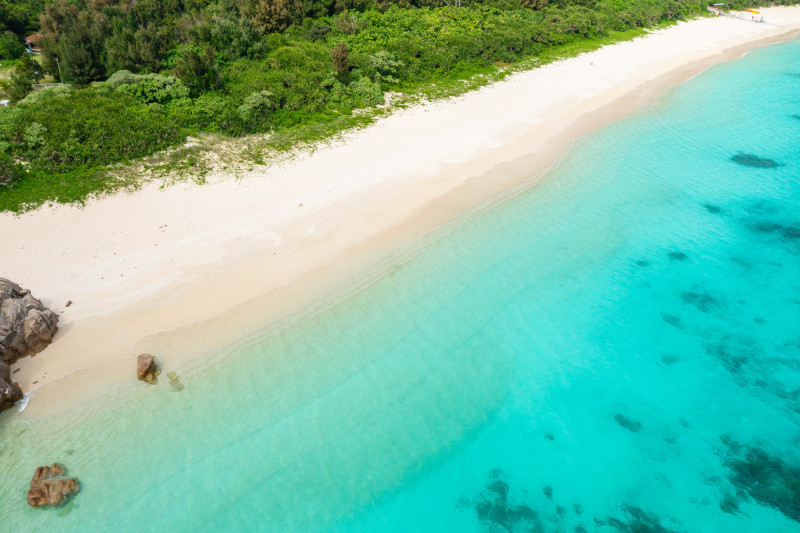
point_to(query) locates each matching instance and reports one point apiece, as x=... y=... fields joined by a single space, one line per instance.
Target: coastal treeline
x=142 y=76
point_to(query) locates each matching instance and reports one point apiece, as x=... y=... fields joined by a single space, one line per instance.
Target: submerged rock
x=50 y=486
x=174 y=382
x=9 y=391
x=26 y=326
x=713 y=209
x=750 y=160
x=146 y=369
x=678 y=256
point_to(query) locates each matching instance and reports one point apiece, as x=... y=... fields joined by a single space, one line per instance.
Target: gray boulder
x=9 y=391
x=26 y=326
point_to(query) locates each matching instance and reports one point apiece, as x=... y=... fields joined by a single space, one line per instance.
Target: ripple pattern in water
x=615 y=350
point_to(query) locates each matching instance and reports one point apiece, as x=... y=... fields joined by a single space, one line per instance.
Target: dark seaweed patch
x=678 y=256
x=713 y=209
x=670 y=359
x=729 y=504
x=636 y=521
x=766 y=478
x=733 y=356
x=672 y=320
x=790 y=232
x=627 y=423
x=750 y=160
x=702 y=301
x=494 y=509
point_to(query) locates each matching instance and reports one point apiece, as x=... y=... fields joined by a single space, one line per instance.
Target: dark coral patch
x=494 y=509
x=627 y=423
x=750 y=160
x=672 y=320
x=766 y=478
x=702 y=301
x=636 y=520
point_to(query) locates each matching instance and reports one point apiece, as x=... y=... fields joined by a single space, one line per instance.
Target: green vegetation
x=146 y=75
x=18 y=19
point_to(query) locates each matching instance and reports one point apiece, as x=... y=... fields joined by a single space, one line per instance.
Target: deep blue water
x=616 y=349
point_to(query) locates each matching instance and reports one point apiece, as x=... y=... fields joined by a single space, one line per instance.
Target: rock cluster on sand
x=26 y=326
x=146 y=369
x=50 y=486
x=9 y=391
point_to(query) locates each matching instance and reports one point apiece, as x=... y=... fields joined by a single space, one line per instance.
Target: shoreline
x=240 y=262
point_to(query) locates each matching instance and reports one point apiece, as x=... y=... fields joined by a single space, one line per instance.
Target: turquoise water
x=615 y=350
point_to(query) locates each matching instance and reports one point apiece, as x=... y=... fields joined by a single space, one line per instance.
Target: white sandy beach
x=147 y=262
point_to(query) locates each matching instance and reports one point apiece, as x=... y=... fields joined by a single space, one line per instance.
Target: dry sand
x=278 y=240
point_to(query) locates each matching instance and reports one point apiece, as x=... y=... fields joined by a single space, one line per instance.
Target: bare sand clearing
x=278 y=240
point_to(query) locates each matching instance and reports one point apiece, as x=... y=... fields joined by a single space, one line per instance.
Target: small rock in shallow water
x=146 y=369
x=678 y=256
x=50 y=487
x=172 y=376
x=627 y=423
x=548 y=491
x=642 y=263
x=713 y=209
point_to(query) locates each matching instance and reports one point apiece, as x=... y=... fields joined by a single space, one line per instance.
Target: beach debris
x=146 y=369
x=26 y=326
x=9 y=391
x=50 y=487
x=627 y=423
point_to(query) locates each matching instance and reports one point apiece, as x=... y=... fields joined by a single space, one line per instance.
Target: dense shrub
x=145 y=88
x=64 y=131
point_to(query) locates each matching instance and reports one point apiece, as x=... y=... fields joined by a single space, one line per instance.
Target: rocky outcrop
x=26 y=326
x=51 y=487
x=146 y=369
x=9 y=391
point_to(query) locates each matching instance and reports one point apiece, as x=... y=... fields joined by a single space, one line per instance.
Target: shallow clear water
x=617 y=348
